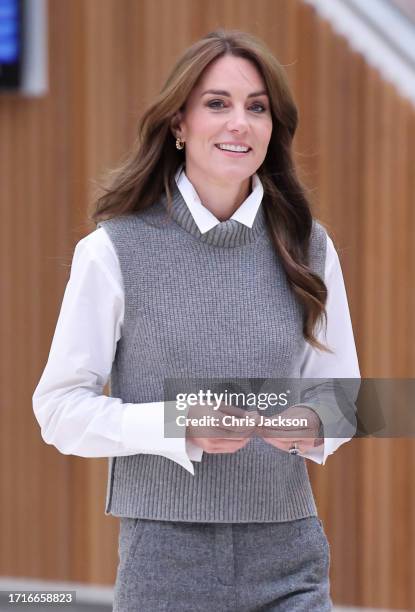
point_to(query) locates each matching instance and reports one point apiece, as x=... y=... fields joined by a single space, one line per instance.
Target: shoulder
x=120 y=235
x=96 y=245
x=128 y=224
x=318 y=233
x=318 y=247
x=322 y=250
x=95 y=254
x=118 y=224
x=320 y=238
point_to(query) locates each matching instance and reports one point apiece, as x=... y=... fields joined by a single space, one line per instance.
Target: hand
x=306 y=437
x=222 y=437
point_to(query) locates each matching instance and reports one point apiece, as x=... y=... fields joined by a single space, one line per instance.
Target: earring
x=179 y=144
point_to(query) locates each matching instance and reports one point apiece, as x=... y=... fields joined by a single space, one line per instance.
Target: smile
x=233 y=151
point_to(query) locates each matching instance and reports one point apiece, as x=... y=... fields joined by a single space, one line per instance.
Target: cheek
x=268 y=131
x=202 y=127
x=201 y=136
x=265 y=136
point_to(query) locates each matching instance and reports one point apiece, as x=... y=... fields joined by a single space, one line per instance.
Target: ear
x=175 y=124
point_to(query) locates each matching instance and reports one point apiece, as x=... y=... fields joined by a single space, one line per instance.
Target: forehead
x=229 y=71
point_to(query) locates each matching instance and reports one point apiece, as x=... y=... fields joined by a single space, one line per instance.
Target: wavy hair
x=149 y=168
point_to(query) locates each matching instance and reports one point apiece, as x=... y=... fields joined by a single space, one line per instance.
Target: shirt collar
x=204 y=219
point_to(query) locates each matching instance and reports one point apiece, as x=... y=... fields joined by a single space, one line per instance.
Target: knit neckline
x=229 y=233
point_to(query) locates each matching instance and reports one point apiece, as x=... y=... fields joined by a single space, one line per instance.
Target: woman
x=206 y=264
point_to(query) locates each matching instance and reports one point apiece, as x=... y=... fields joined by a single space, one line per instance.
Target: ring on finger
x=294 y=450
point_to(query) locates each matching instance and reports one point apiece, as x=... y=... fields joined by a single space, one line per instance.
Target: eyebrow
x=222 y=92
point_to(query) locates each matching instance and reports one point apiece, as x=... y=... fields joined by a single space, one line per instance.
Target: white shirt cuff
x=320 y=453
x=142 y=429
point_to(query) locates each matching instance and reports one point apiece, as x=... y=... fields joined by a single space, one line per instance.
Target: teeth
x=227 y=147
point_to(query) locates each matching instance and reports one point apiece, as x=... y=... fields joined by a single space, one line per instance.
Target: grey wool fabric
x=210 y=567
x=219 y=305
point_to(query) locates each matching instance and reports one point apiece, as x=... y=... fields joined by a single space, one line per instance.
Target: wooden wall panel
x=354 y=150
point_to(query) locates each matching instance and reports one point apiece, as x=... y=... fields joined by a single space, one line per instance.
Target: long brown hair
x=149 y=168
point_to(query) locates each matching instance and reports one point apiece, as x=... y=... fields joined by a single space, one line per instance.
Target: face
x=228 y=105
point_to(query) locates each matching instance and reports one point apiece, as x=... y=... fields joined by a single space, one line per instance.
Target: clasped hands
x=228 y=435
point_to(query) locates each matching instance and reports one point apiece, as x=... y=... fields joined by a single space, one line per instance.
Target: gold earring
x=179 y=144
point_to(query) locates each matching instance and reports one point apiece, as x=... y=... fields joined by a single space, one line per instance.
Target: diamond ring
x=294 y=450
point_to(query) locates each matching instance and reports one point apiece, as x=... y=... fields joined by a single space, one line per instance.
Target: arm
x=343 y=363
x=68 y=402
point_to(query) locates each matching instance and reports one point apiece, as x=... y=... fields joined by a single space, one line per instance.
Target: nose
x=237 y=122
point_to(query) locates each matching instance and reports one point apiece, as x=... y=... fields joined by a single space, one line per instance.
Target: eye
x=261 y=106
x=257 y=107
x=213 y=103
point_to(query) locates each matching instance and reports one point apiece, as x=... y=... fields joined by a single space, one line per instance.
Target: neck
x=222 y=199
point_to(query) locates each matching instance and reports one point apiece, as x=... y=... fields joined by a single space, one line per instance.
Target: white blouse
x=70 y=407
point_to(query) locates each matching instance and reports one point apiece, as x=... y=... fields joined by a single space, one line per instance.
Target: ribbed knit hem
x=246 y=486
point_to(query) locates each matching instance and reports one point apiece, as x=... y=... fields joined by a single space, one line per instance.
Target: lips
x=228 y=151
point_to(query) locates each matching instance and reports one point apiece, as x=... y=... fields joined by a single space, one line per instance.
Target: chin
x=228 y=173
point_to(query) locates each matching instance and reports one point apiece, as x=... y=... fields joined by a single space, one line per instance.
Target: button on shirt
x=68 y=401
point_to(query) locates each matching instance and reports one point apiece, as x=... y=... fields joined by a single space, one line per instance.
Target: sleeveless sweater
x=207 y=305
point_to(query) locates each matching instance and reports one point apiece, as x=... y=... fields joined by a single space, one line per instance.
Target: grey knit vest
x=216 y=304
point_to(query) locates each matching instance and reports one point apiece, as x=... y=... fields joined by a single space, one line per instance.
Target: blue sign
x=9 y=31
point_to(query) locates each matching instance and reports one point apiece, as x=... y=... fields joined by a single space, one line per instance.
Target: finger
x=235 y=429
x=303 y=444
x=223 y=446
x=239 y=423
x=235 y=411
x=276 y=443
x=287 y=434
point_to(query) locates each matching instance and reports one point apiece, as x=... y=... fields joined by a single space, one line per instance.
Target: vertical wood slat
x=353 y=150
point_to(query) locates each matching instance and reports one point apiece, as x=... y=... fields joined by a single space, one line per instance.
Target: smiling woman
x=206 y=265
x=227 y=111
x=226 y=88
